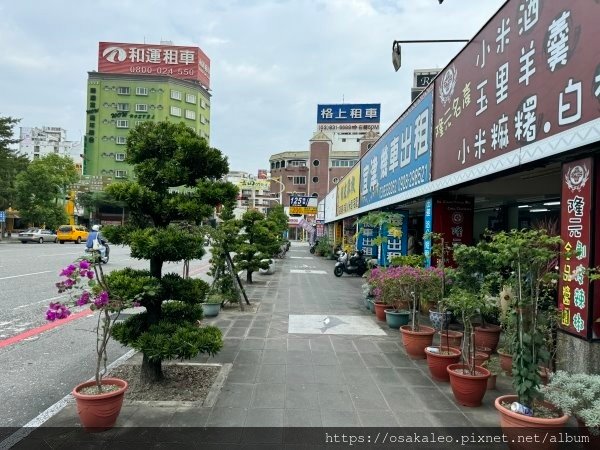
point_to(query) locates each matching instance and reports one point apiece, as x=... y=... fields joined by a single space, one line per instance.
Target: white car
x=37 y=235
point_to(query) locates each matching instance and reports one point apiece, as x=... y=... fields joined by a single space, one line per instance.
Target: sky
x=272 y=61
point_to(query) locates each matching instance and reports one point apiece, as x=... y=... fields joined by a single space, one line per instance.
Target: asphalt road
x=40 y=370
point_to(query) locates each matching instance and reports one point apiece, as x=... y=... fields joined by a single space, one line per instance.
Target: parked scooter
x=313 y=247
x=356 y=264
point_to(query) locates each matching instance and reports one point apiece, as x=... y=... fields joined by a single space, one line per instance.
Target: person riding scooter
x=96 y=242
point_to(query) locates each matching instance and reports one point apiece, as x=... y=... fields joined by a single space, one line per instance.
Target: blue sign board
x=365 y=241
x=394 y=246
x=2 y=216
x=401 y=159
x=428 y=228
x=345 y=113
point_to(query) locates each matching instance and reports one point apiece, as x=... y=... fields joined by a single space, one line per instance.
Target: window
x=343 y=139
x=91 y=133
x=141 y=91
x=277 y=165
x=272 y=165
x=190 y=98
x=175 y=95
x=202 y=119
x=123 y=90
x=315 y=194
x=336 y=180
x=299 y=180
x=122 y=123
x=282 y=164
x=119 y=156
x=175 y=111
x=92 y=104
x=120 y=173
x=92 y=90
x=92 y=125
x=343 y=162
x=297 y=163
x=139 y=122
x=190 y=114
x=140 y=107
x=316 y=162
x=315 y=179
x=92 y=98
x=121 y=140
x=122 y=106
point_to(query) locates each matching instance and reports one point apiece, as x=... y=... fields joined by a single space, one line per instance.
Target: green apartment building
x=116 y=103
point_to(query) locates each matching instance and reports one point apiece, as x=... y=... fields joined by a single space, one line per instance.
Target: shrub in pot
x=416 y=337
x=493 y=365
x=213 y=303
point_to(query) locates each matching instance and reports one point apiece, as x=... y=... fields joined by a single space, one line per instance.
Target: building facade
x=254 y=193
x=37 y=142
x=136 y=83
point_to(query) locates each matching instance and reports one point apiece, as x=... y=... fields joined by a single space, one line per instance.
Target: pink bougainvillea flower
x=90 y=274
x=84 y=299
x=57 y=311
x=101 y=300
x=83 y=264
x=68 y=271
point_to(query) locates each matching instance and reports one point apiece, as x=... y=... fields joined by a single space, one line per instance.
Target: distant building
x=37 y=142
x=254 y=193
x=136 y=83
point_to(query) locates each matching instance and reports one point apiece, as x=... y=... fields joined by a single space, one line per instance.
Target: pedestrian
x=410 y=248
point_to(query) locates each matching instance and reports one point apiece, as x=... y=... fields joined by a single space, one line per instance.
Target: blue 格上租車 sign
x=349 y=113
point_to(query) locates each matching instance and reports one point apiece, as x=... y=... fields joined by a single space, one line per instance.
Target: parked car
x=72 y=233
x=37 y=235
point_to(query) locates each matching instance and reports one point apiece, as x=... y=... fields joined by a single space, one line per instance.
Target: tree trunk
x=248 y=276
x=151 y=371
x=156 y=268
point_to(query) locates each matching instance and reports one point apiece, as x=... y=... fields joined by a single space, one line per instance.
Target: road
x=38 y=371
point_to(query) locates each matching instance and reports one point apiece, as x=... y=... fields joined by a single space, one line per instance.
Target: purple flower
x=90 y=274
x=69 y=283
x=57 y=311
x=136 y=304
x=101 y=300
x=84 y=299
x=84 y=264
x=68 y=271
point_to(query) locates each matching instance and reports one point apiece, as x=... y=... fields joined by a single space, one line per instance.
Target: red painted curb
x=49 y=326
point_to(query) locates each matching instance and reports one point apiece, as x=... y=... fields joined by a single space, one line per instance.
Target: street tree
x=41 y=190
x=178 y=184
x=256 y=242
x=279 y=218
x=11 y=163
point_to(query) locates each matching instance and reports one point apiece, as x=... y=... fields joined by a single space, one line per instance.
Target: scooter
x=357 y=264
x=313 y=247
x=98 y=254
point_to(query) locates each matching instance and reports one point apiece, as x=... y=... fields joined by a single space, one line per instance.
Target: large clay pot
x=416 y=341
x=491 y=382
x=521 y=430
x=480 y=358
x=450 y=338
x=468 y=389
x=505 y=362
x=395 y=318
x=211 y=309
x=100 y=412
x=487 y=336
x=380 y=310
x=440 y=358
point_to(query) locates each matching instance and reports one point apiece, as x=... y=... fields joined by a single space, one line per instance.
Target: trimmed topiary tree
x=177 y=184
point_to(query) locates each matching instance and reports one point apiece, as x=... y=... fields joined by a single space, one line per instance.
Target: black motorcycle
x=313 y=247
x=357 y=264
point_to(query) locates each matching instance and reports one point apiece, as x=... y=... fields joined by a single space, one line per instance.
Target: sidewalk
x=296 y=379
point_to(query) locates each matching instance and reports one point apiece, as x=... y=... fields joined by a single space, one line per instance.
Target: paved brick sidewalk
x=283 y=379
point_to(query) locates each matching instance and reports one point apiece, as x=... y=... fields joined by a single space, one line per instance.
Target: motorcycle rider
x=95 y=234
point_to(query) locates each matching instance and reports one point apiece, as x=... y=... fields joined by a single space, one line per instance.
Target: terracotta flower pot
x=487 y=336
x=491 y=382
x=480 y=358
x=452 y=339
x=380 y=308
x=440 y=358
x=468 y=389
x=100 y=412
x=506 y=362
x=416 y=341
x=521 y=430
x=486 y=350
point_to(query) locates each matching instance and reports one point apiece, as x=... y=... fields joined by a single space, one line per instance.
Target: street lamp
x=396 y=55
x=280 y=194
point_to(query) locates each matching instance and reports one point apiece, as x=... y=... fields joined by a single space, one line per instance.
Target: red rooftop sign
x=186 y=63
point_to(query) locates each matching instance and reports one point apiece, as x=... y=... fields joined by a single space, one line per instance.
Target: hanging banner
x=428 y=228
x=347 y=191
x=575 y=232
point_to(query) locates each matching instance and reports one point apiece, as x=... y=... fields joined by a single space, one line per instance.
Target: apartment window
x=92 y=98
x=343 y=162
x=92 y=104
x=297 y=163
x=121 y=140
x=120 y=173
x=141 y=107
x=336 y=180
x=92 y=125
x=36 y=156
x=119 y=156
x=299 y=180
x=175 y=111
x=272 y=165
x=123 y=90
x=122 y=106
x=122 y=123
x=202 y=103
x=315 y=179
x=202 y=119
x=190 y=98
x=139 y=122
x=190 y=114
x=92 y=117
x=316 y=162
x=175 y=95
x=92 y=90
x=91 y=133
x=141 y=91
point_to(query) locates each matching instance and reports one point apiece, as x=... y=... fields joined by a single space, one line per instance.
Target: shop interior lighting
x=524 y=206
x=551 y=203
x=539 y=210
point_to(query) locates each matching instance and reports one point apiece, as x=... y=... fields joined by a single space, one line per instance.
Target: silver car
x=37 y=235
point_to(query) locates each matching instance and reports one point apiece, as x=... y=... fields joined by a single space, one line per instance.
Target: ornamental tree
x=11 y=163
x=177 y=183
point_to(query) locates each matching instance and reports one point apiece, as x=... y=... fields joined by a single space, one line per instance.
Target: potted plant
x=577 y=395
x=98 y=401
x=392 y=287
x=530 y=257
x=416 y=337
x=468 y=380
x=213 y=303
x=493 y=365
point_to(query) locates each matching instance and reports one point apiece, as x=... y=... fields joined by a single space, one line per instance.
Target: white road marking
x=37 y=303
x=319 y=272
x=26 y=274
x=60 y=254
x=301 y=257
